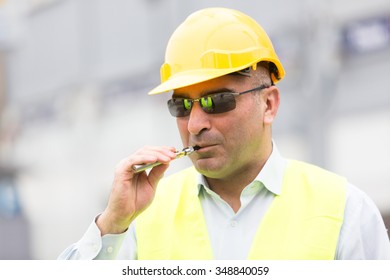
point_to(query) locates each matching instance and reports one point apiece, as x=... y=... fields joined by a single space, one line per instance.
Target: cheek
x=182 y=126
x=251 y=122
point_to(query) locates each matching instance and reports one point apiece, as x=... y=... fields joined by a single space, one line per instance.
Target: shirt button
x=95 y=247
x=109 y=249
x=233 y=223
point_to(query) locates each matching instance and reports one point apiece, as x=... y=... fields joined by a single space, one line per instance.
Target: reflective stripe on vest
x=303 y=222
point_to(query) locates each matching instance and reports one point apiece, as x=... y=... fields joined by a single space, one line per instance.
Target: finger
x=146 y=155
x=156 y=174
x=153 y=154
x=156 y=150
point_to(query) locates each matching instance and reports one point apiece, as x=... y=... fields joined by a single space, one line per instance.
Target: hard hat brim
x=193 y=77
x=189 y=78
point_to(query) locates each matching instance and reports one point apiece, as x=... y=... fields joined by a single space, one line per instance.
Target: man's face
x=230 y=141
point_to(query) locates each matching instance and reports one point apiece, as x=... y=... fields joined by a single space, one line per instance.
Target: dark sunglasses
x=214 y=103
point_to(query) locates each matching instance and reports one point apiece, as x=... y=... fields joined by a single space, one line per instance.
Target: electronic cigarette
x=185 y=152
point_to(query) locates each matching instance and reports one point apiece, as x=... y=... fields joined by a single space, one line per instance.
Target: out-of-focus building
x=73 y=97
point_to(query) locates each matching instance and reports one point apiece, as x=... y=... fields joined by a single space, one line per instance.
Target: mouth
x=196 y=147
x=202 y=148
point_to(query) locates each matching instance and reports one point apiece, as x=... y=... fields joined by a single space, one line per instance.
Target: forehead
x=228 y=83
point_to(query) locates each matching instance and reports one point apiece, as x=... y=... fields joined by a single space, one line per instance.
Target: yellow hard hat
x=214 y=42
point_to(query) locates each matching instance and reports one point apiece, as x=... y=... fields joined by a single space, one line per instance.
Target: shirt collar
x=273 y=171
x=271 y=175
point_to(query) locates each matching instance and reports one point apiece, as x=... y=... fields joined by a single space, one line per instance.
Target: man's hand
x=133 y=192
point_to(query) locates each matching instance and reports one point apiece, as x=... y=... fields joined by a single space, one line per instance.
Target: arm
x=363 y=235
x=131 y=194
x=108 y=247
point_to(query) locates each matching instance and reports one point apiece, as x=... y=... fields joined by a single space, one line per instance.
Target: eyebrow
x=204 y=93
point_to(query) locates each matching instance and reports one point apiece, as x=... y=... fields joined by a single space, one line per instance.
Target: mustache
x=203 y=140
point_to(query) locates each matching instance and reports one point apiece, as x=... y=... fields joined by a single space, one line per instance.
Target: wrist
x=107 y=226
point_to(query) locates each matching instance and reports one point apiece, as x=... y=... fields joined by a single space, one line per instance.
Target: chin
x=208 y=168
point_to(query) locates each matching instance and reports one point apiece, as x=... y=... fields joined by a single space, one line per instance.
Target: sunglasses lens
x=187 y=104
x=220 y=103
x=212 y=104
x=207 y=104
x=179 y=107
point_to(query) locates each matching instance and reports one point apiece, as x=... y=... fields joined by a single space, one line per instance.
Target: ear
x=271 y=101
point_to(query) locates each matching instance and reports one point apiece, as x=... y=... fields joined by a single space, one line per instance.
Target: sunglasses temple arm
x=256 y=88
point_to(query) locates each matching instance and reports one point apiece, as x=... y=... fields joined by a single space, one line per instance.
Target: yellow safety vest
x=302 y=223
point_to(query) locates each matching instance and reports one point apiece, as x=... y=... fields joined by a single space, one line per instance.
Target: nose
x=198 y=120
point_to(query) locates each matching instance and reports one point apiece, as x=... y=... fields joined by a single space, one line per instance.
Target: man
x=241 y=199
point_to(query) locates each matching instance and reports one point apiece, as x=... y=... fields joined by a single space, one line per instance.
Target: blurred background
x=73 y=81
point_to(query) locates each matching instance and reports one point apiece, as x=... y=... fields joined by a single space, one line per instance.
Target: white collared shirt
x=362 y=236
x=231 y=234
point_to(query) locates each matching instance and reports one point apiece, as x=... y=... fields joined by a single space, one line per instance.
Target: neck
x=229 y=187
